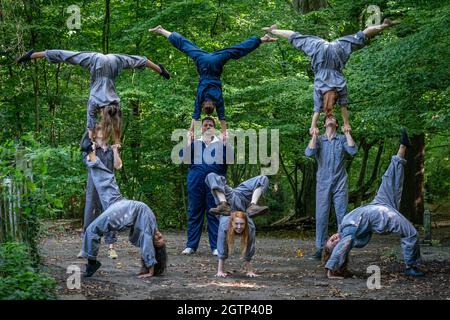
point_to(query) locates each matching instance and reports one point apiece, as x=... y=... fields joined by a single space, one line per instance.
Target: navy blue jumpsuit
x=203 y=159
x=209 y=67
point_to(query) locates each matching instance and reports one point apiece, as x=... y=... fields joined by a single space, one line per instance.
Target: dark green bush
x=19 y=280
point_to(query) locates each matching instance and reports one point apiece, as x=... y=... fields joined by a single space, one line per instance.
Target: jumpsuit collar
x=325 y=137
x=215 y=139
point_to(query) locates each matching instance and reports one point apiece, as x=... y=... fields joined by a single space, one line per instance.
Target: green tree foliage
x=400 y=79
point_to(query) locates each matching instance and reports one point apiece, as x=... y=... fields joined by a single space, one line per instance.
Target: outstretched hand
x=268 y=38
x=314 y=131
x=346 y=129
x=224 y=136
x=251 y=274
x=190 y=136
x=116 y=146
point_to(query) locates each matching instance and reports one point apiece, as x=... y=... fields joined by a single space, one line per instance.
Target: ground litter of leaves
x=286 y=271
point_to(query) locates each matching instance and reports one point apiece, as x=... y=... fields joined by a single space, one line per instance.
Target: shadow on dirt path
x=284 y=273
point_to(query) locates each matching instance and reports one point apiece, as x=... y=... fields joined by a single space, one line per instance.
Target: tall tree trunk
x=106 y=24
x=29 y=8
x=292 y=183
x=362 y=172
x=305 y=6
x=135 y=140
x=309 y=189
x=412 y=204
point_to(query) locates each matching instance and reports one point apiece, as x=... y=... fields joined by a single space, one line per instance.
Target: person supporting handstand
x=119 y=215
x=237 y=207
x=209 y=67
x=110 y=157
x=380 y=216
x=104 y=69
x=330 y=150
x=328 y=59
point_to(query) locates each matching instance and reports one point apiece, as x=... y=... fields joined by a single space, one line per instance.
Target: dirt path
x=284 y=274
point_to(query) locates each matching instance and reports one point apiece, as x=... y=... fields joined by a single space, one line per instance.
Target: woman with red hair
x=239 y=224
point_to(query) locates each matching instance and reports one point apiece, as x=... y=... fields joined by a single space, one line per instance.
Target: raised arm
x=117 y=159
x=349 y=144
x=312 y=147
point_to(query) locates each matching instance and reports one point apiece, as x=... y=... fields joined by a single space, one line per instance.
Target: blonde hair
x=111 y=122
x=231 y=233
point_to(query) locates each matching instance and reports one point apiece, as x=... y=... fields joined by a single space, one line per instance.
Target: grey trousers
x=119 y=216
x=240 y=197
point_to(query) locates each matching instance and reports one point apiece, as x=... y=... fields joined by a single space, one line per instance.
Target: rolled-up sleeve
x=222 y=246
x=251 y=245
x=131 y=62
x=351 y=150
x=340 y=253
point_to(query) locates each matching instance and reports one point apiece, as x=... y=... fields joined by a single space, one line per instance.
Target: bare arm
x=313 y=142
x=220 y=269
x=191 y=132
x=350 y=141
x=314 y=130
x=223 y=126
x=117 y=159
x=344 y=112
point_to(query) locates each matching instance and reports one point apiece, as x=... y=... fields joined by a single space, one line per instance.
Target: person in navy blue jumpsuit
x=209 y=67
x=204 y=156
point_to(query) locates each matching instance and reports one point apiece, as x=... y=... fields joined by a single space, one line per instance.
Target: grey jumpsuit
x=239 y=199
x=332 y=182
x=93 y=206
x=104 y=69
x=328 y=59
x=119 y=215
x=380 y=216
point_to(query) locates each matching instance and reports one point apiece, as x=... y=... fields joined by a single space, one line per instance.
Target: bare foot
x=271 y=28
x=156 y=29
x=389 y=23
